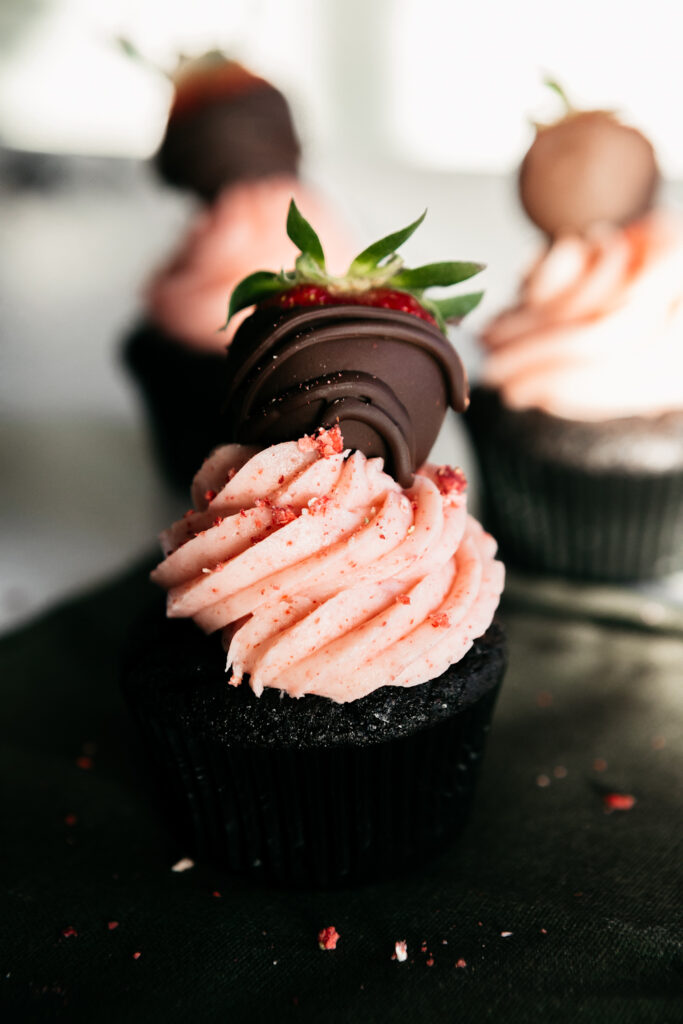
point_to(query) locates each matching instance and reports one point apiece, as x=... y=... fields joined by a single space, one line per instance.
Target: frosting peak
x=325 y=575
x=598 y=330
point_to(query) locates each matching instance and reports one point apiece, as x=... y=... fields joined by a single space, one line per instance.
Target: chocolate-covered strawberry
x=584 y=169
x=367 y=350
x=225 y=125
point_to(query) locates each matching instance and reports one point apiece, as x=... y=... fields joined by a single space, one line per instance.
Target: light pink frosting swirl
x=241 y=232
x=325 y=576
x=598 y=330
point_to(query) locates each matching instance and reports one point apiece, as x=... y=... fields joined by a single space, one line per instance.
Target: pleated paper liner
x=287 y=789
x=182 y=391
x=591 y=521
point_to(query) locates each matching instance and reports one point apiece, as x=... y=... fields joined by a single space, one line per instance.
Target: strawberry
x=316 y=295
x=584 y=169
x=377 y=277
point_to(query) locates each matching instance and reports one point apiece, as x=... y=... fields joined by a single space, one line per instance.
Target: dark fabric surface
x=591 y=899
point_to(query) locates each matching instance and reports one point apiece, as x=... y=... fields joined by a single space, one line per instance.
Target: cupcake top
x=225 y=125
x=597 y=332
x=240 y=232
x=326 y=576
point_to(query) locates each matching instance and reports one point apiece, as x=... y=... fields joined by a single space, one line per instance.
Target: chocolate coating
x=387 y=377
x=587 y=169
x=227 y=139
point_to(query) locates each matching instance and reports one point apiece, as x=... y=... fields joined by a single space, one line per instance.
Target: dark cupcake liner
x=326 y=812
x=556 y=504
x=183 y=391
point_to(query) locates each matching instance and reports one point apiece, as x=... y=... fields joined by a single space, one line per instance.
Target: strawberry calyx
x=376 y=277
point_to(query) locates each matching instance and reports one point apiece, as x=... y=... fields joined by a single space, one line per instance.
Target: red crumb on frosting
x=317 y=505
x=328 y=938
x=70 y=932
x=618 y=801
x=403 y=599
x=325 y=442
x=283 y=514
x=440 y=620
x=209 y=495
x=461 y=963
x=111 y=925
x=451 y=480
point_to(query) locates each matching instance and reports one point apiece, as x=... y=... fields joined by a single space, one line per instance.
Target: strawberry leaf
x=457 y=306
x=370 y=258
x=258 y=286
x=436 y=275
x=303 y=235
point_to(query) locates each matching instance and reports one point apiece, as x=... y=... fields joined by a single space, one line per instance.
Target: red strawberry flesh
x=318 y=295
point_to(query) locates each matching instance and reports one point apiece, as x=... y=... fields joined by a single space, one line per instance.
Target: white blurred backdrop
x=443 y=84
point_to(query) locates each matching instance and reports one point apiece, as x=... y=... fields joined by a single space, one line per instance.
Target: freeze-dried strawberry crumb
x=217 y=521
x=461 y=963
x=231 y=473
x=325 y=442
x=136 y=956
x=243 y=513
x=400 y=951
x=403 y=599
x=618 y=801
x=430 y=961
x=281 y=479
x=451 y=480
x=209 y=495
x=441 y=620
x=317 y=505
x=328 y=937
x=262 y=503
x=283 y=514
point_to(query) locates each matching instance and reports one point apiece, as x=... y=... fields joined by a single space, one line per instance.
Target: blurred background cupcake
x=231 y=140
x=578 y=419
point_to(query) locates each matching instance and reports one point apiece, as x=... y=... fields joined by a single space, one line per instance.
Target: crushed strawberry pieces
x=618 y=801
x=326 y=442
x=328 y=938
x=440 y=620
x=400 y=951
x=450 y=480
x=209 y=495
x=403 y=599
x=283 y=514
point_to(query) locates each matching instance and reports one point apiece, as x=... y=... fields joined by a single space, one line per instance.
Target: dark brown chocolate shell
x=386 y=377
x=227 y=139
x=587 y=169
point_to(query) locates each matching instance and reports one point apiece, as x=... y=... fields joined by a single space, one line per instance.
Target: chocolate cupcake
x=578 y=420
x=356 y=610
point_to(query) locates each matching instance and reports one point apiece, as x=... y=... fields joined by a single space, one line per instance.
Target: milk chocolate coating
x=386 y=377
x=235 y=138
x=584 y=170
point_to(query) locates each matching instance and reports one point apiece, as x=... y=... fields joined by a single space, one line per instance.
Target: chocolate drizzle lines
x=288 y=372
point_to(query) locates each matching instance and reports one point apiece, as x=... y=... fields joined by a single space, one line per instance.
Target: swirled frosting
x=598 y=330
x=325 y=576
x=188 y=298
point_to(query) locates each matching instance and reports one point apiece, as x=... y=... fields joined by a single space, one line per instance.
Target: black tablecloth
x=559 y=909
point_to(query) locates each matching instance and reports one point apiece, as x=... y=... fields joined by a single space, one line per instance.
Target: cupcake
x=354 y=594
x=177 y=353
x=578 y=419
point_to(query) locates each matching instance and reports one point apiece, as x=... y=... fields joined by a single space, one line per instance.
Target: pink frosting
x=242 y=232
x=598 y=330
x=324 y=575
